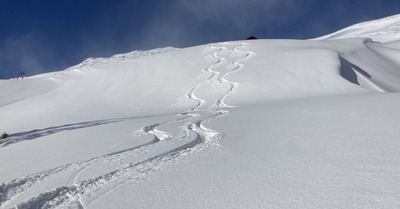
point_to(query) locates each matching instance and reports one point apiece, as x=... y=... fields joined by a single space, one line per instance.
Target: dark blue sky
x=39 y=36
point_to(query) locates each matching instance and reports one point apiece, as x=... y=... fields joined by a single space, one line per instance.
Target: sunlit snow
x=239 y=124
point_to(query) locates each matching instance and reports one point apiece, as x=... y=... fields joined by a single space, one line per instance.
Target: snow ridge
x=91 y=62
x=138 y=162
x=382 y=30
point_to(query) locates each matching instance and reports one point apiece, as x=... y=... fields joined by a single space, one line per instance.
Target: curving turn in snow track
x=191 y=135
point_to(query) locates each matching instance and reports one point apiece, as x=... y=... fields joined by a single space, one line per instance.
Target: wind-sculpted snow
x=137 y=162
x=383 y=30
x=92 y=62
x=242 y=124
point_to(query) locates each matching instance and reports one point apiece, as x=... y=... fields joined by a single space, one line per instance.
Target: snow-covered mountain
x=241 y=124
x=382 y=30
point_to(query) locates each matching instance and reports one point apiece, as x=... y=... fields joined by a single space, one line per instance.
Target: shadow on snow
x=348 y=71
x=36 y=133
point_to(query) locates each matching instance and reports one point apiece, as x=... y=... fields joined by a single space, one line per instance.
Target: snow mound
x=382 y=30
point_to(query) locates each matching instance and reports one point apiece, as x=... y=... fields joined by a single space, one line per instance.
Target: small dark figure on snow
x=22 y=74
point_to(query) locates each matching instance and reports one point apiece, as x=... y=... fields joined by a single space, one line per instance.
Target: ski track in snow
x=193 y=136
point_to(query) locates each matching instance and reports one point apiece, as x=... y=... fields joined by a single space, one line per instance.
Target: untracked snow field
x=241 y=124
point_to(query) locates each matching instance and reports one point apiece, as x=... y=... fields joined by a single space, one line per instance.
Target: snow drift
x=241 y=124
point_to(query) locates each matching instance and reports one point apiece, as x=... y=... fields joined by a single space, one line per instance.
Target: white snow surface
x=382 y=30
x=241 y=124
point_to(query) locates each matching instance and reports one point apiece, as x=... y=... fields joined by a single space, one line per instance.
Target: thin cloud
x=23 y=54
x=243 y=14
x=188 y=22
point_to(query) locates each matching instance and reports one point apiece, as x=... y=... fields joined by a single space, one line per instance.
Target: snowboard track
x=193 y=136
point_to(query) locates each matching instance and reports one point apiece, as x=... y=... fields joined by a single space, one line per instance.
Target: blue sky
x=50 y=35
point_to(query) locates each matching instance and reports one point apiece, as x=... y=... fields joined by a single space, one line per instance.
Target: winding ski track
x=163 y=149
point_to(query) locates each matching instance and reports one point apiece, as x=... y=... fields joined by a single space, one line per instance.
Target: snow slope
x=382 y=30
x=241 y=124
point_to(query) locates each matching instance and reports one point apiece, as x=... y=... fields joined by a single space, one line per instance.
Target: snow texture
x=241 y=124
x=382 y=30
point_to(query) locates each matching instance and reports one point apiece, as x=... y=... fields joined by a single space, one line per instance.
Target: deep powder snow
x=241 y=124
